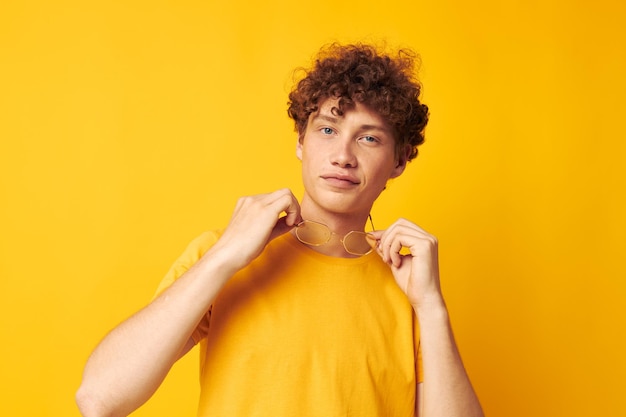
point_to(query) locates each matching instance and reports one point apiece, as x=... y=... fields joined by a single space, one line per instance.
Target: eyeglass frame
x=366 y=235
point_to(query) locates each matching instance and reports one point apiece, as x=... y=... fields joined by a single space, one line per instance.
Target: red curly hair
x=360 y=73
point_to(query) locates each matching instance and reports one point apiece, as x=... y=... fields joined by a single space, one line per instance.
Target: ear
x=403 y=159
x=299 y=148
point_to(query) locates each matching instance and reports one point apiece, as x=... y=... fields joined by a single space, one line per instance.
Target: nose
x=343 y=153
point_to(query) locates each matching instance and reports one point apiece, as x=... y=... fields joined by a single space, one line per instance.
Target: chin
x=338 y=202
x=343 y=206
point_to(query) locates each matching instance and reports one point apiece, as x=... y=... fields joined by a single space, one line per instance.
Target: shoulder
x=192 y=253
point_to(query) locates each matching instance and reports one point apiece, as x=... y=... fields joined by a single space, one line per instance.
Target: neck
x=338 y=223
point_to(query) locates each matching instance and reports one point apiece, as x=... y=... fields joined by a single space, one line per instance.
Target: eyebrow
x=330 y=119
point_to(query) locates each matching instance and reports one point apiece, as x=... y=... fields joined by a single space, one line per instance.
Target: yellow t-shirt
x=298 y=333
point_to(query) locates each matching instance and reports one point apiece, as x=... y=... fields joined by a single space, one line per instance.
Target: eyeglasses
x=318 y=234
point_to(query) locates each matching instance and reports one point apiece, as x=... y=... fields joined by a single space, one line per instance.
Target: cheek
x=308 y=165
x=309 y=155
x=382 y=171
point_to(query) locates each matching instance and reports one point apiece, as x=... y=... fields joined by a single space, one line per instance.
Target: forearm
x=446 y=391
x=132 y=360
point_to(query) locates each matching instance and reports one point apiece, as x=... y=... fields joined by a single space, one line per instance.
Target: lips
x=341 y=179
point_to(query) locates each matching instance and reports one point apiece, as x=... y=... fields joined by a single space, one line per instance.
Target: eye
x=327 y=130
x=369 y=139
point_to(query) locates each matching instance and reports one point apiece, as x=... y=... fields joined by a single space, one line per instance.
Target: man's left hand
x=416 y=272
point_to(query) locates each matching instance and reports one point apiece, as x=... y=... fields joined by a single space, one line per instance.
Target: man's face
x=347 y=160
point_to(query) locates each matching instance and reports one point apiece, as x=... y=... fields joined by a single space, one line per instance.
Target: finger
x=389 y=244
x=292 y=211
x=377 y=242
x=280 y=228
x=376 y=234
x=384 y=248
x=286 y=202
x=394 y=252
x=394 y=239
x=371 y=240
x=244 y=203
x=401 y=230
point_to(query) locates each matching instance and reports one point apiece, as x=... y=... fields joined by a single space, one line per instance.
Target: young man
x=295 y=313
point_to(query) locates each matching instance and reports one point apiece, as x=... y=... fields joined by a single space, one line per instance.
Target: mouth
x=341 y=181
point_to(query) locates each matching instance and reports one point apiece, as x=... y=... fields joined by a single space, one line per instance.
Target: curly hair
x=360 y=73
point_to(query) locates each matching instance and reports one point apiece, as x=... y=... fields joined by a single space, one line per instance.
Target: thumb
x=280 y=228
x=373 y=239
x=375 y=235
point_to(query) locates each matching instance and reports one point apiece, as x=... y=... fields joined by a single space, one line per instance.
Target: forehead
x=357 y=112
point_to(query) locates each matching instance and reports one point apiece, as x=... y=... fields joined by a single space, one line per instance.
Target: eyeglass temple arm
x=371 y=222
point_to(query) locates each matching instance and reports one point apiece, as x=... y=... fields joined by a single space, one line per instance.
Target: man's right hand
x=255 y=222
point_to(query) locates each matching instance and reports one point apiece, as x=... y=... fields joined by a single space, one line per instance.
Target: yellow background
x=127 y=128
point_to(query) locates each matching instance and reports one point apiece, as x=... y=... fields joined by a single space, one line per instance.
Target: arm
x=446 y=390
x=130 y=363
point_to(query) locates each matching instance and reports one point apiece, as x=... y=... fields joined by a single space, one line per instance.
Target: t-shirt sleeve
x=194 y=251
